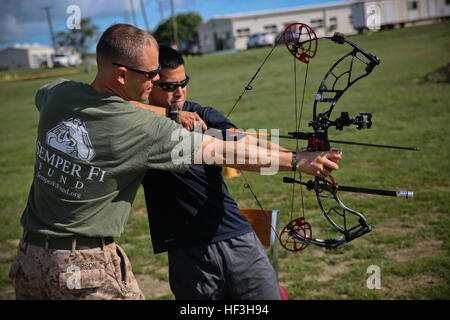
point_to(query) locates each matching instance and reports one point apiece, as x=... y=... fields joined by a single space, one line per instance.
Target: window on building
x=35 y=61
x=412 y=5
x=286 y=24
x=271 y=28
x=243 y=32
x=333 y=24
x=316 y=23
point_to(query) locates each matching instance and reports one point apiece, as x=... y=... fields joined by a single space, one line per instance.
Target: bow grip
x=317 y=141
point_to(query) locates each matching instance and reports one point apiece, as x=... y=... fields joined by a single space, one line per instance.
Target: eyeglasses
x=172 y=86
x=150 y=74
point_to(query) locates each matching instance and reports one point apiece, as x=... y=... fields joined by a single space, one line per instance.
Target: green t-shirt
x=92 y=152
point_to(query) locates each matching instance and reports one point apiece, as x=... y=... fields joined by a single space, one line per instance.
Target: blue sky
x=25 y=21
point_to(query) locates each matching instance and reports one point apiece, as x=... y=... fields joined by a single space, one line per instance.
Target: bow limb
x=333 y=209
x=336 y=82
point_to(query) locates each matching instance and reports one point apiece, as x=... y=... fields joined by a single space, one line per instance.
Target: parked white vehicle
x=62 y=60
x=261 y=40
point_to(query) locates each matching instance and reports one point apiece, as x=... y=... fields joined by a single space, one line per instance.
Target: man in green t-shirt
x=93 y=148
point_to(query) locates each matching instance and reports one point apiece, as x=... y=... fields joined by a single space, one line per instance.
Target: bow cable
x=249 y=87
x=298 y=118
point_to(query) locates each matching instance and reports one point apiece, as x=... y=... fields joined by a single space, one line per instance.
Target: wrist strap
x=294 y=161
x=173 y=112
x=173 y=115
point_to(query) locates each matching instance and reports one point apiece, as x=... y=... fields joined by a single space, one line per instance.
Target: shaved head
x=123 y=43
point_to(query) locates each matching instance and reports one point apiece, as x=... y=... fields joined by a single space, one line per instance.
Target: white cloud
x=24 y=18
x=11 y=29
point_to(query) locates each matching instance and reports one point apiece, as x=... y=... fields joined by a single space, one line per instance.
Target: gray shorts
x=236 y=269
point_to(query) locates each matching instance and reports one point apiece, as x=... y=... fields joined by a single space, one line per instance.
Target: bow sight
x=362 y=121
x=318 y=140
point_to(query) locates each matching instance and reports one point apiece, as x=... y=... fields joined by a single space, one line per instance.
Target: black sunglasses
x=150 y=74
x=172 y=86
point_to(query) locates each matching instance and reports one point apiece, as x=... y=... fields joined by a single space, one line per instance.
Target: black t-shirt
x=193 y=208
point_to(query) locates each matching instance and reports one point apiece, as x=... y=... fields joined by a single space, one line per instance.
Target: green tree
x=81 y=38
x=187 y=24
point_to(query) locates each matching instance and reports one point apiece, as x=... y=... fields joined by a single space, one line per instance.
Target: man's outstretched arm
x=245 y=155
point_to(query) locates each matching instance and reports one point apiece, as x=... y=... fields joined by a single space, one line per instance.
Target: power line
x=174 y=23
x=133 y=14
x=161 y=9
x=144 y=14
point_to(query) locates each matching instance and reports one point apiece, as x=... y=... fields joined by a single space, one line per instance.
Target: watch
x=294 y=161
x=173 y=112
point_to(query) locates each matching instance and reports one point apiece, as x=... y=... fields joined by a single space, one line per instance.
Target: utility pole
x=133 y=13
x=144 y=14
x=161 y=9
x=49 y=20
x=126 y=16
x=174 y=23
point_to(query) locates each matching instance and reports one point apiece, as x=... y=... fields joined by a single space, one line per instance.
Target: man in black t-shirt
x=213 y=251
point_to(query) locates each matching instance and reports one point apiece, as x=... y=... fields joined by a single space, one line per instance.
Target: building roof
x=279 y=11
x=27 y=46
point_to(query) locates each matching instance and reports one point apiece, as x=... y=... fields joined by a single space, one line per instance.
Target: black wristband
x=294 y=161
x=173 y=115
x=173 y=112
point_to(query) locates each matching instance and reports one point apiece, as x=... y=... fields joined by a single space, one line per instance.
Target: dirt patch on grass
x=139 y=212
x=7 y=292
x=397 y=226
x=431 y=247
x=441 y=75
x=402 y=286
x=152 y=287
x=331 y=271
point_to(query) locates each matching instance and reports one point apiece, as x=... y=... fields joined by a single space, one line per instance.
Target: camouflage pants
x=99 y=273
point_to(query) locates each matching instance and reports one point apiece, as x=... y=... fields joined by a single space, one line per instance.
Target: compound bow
x=302 y=43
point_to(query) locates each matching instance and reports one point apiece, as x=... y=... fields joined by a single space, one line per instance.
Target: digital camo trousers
x=99 y=273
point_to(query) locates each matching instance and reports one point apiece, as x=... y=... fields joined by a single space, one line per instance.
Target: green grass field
x=410 y=241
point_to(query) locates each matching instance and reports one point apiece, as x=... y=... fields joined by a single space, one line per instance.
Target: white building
x=27 y=56
x=390 y=13
x=233 y=31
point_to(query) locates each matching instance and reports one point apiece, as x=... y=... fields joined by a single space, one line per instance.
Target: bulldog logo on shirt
x=72 y=138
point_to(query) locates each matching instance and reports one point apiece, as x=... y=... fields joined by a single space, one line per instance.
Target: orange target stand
x=230 y=173
x=266 y=225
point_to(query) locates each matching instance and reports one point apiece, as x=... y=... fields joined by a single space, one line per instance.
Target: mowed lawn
x=409 y=97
